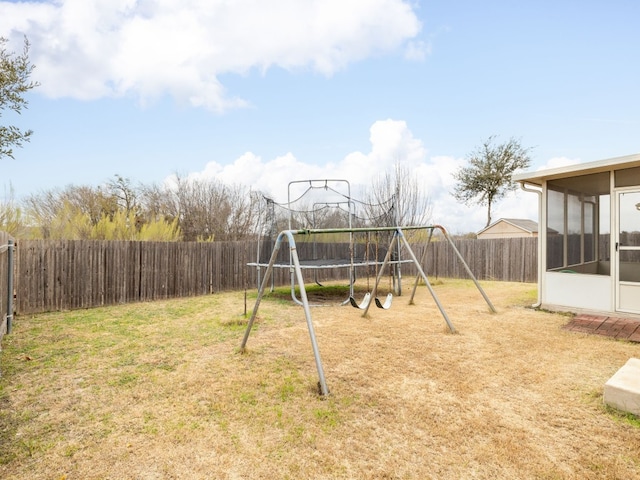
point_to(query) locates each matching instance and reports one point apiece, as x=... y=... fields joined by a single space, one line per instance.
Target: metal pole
x=374 y=292
x=309 y=231
x=261 y=290
x=305 y=303
x=422 y=261
x=469 y=272
x=307 y=314
x=10 y=250
x=397 y=277
x=292 y=277
x=426 y=281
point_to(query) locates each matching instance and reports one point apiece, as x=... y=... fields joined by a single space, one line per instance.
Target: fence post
x=10 y=245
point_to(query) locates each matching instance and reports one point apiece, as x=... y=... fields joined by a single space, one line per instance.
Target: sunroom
x=589 y=240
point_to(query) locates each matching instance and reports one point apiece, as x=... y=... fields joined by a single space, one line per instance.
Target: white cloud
x=557 y=162
x=89 y=49
x=518 y=204
x=391 y=141
x=417 y=50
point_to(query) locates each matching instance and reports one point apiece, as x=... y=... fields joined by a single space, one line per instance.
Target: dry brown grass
x=159 y=391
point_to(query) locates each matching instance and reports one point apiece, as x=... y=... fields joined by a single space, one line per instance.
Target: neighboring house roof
x=528 y=226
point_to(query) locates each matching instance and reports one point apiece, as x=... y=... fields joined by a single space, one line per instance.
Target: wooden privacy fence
x=72 y=274
x=505 y=259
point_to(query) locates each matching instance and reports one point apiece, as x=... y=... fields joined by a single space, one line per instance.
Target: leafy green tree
x=487 y=178
x=160 y=230
x=15 y=71
x=202 y=210
x=119 y=226
x=12 y=219
x=124 y=226
x=69 y=223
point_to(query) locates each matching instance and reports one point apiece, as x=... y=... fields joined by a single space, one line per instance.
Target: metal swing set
x=398 y=244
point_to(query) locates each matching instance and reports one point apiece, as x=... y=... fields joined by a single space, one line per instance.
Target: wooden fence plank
x=4 y=282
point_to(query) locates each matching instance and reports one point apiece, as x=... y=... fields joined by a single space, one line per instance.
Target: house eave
x=540 y=176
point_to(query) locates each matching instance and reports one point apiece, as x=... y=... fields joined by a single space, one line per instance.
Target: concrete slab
x=622 y=391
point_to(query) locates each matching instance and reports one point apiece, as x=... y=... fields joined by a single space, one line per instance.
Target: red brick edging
x=615 y=327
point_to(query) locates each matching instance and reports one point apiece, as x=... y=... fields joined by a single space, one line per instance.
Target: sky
x=262 y=93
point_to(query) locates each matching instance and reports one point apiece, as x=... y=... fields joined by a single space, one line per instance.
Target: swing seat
x=365 y=301
x=387 y=302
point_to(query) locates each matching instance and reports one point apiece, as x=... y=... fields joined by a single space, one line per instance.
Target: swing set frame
x=397 y=235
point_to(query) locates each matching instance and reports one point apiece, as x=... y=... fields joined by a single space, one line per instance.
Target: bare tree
x=125 y=194
x=187 y=210
x=208 y=209
x=398 y=198
x=244 y=214
x=201 y=208
x=45 y=209
x=157 y=202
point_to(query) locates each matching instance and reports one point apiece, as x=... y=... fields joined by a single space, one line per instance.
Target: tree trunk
x=488 y=214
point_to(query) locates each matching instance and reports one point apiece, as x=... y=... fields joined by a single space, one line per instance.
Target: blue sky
x=263 y=93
